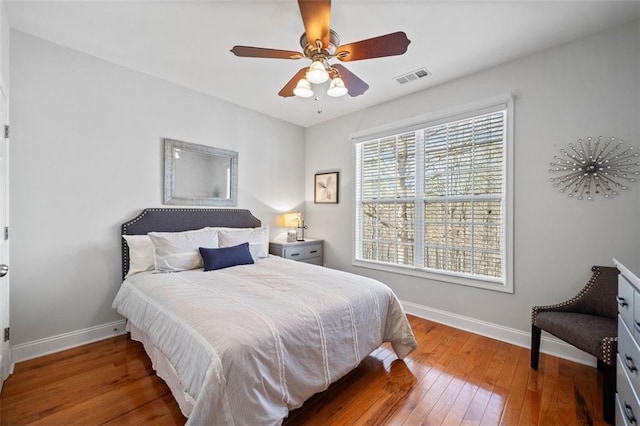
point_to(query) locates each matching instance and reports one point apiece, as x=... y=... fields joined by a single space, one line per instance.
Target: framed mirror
x=199 y=175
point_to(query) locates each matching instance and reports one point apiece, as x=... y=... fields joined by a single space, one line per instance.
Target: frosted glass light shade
x=337 y=88
x=303 y=89
x=317 y=74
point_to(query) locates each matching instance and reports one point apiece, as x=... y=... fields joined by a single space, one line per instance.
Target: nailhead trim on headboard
x=182 y=219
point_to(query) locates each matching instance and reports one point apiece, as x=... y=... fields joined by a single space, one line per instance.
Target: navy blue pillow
x=218 y=258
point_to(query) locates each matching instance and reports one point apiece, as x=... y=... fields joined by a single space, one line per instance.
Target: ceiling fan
x=320 y=44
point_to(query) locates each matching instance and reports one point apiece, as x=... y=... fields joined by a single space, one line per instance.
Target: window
x=432 y=198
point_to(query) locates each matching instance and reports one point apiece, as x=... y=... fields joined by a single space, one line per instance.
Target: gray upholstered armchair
x=588 y=322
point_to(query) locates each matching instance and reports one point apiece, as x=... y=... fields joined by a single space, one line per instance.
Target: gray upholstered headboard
x=178 y=220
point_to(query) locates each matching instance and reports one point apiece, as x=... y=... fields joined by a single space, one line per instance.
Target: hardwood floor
x=453 y=378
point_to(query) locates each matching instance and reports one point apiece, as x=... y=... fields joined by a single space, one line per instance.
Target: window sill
x=444 y=277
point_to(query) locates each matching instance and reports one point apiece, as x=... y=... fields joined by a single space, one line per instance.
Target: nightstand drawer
x=295 y=253
x=313 y=250
x=309 y=251
x=313 y=261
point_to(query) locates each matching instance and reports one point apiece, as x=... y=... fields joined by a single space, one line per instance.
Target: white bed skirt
x=164 y=370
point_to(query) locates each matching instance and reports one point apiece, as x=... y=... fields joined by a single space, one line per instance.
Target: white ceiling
x=188 y=42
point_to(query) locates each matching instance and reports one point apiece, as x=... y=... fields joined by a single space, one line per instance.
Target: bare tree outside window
x=453 y=218
x=388 y=184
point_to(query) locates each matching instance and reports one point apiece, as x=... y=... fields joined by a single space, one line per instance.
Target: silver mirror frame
x=170 y=196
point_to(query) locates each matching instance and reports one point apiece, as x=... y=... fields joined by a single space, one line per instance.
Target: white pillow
x=258 y=239
x=179 y=251
x=140 y=254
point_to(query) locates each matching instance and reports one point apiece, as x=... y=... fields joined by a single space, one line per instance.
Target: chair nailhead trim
x=536 y=309
x=608 y=343
x=608 y=353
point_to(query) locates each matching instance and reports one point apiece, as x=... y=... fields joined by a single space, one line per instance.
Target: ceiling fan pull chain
x=318 y=99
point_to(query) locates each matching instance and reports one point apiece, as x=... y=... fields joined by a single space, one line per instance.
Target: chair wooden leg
x=608 y=393
x=535 y=346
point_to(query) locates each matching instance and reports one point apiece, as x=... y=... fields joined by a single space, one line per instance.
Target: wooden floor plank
x=472 y=380
x=446 y=402
x=514 y=394
x=486 y=384
x=156 y=412
x=454 y=377
x=447 y=362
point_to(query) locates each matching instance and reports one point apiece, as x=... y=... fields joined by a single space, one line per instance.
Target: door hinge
x=6 y=131
x=6 y=232
x=6 y=334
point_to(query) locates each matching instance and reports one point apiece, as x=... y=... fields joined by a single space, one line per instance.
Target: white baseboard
x=49 y=345
x=548 y=344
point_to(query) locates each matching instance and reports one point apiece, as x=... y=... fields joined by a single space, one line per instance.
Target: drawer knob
x=636 y=324
x=621 y=301
x=314 y=251
x=629 y=363
x=628 y=412
x=295 y=254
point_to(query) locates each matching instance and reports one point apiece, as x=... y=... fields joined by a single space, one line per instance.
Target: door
x=5 y=353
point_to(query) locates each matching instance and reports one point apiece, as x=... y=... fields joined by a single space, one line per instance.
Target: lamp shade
x=317 y=73
x=337 y=88
x=303 y=89
x=291 y=219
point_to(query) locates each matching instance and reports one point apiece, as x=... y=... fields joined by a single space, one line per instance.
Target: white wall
x=589 y=87
x=4 y=49
x=87 y=156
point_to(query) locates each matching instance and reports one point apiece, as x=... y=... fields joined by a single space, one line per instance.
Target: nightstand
x=308 y=251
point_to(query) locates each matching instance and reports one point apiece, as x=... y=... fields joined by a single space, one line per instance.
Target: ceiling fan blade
x=377 y=47
x=316 y=15
x=287 y=90
x=261 y=52
x=355 y=85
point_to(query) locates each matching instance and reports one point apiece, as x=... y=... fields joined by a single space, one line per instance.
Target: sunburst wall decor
x=594 y=167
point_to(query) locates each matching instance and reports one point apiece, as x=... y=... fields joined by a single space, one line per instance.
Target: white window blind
x=434 y=198
x=388 y=192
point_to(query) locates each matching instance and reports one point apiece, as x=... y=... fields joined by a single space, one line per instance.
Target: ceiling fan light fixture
x=320 y=44
x=317 y=73
x=303 y=89
x=337 y=88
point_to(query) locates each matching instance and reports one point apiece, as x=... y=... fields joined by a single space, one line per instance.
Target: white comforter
x=251 y=342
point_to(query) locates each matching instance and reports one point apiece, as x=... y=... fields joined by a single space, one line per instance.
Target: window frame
x=496 y=103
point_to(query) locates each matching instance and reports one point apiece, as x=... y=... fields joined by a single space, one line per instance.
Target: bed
x=247 y=343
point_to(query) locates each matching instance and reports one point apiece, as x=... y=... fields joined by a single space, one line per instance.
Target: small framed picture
x=326 y=188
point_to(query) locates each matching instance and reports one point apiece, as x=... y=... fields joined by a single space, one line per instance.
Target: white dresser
x=628 y=359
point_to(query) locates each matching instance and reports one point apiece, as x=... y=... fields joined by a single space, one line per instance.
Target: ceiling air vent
x=412 y=76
